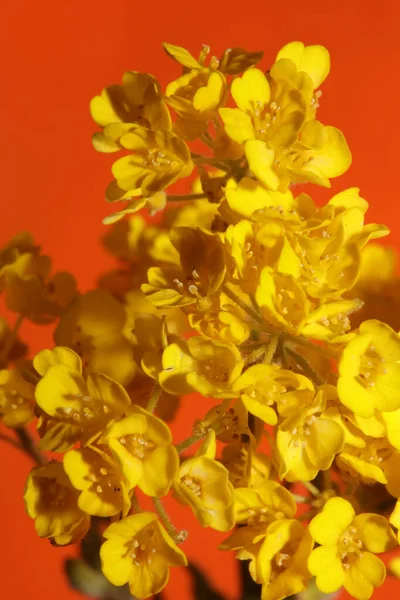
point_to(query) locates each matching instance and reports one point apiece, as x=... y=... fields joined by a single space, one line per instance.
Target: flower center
x=143 y=547
x=350 y=547
x=370 y=367
x=214 y=371
x=193 y=484
x=138 y=445
x=300 y=432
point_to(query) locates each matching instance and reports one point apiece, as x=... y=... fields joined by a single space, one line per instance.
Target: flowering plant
x=241 y=291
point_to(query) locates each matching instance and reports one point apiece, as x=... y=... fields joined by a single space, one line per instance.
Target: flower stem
x=232 y=296
x=12 y=337
x=29 y=446
x=162 y=513
x=270 y=353
x=311 y=488
x=182 y=446
x=181 y=197
x=135 y=506
x=300 y=499
x=154 y=398
x=304 y=366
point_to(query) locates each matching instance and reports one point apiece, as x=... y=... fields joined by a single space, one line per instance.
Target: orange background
x=56 y=56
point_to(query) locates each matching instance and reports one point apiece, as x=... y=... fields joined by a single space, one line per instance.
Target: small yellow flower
x=77 y=410
x=92 y=328
x=256 y=508
x=313 y=60
x=203 y=484
x=207 y=366
x=160 y=158
x=11 y=346
x=17 y=398
x=348 y=544
x=201 y=272
x=52 y=501
x=282 y=300
x=370 y=370
x=138 y=551
x=141 y=445
x=281 y=563
x=257 y=386
x=103 y=488
x=138 y=101
x=307 y=442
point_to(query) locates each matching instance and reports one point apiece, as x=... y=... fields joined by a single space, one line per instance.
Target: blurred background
x=55 y=57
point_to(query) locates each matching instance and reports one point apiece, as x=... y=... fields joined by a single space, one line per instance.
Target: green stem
x=29 y=446
x=232 y=296
x=11 y=339
x=162 y=513
x=270 y=353
x=135 y=506
x=154 y=398
x=181 y=197
x=255 y=355
x=300 y=499
x=182 y=446
x=311 y=488
x=305 y=366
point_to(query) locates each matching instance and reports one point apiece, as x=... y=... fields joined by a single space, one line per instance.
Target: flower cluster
x=243 y=291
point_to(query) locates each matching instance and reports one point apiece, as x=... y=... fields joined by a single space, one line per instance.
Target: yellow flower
x=370 y=371
x=196 y=97
x=229 y=420
x=233 y=60
x=366 y=463
x=313 y=60
x=103 y=488
x=246 y=197
x=92 y=328
x=17 y=398
x=348 y=544
x=207 y=366
x=160 y=158
x=138 y=100
x=256 y=508
x=282 y=300
x=257 y=386
x=281 y=563
x=138 y=551
x=141 y=445
x=52 y=501
x=307 y=442
x=17 y=256
x=203 y=483
x=34 y=292
x=201 y=272
x=77 y=410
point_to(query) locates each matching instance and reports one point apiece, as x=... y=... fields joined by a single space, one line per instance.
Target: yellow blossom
x=348 y=544
x=200 y=274
x=92 y=328
x=138 y=100
x=103 y=488
x=203 y=483
x=256 y=508
x=141 y=445
x=370 y=371
x=16 y=398
x=160 y=158
x=281 y=563
x=138 y=551
x=307 y=442
x=76 y=409
x=52 y=501
x=207 y=366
